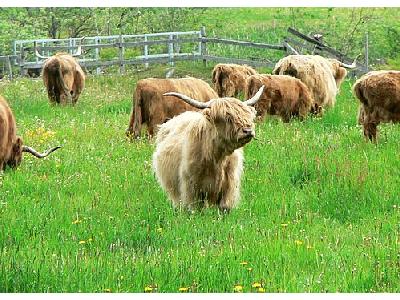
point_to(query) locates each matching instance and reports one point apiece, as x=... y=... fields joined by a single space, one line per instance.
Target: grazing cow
x=322 y=76
x=379 y=95
x=152 y=108
x=283 y=95
x=230 y=79
x=63 y=77
x=11 y=146
x=199 y=157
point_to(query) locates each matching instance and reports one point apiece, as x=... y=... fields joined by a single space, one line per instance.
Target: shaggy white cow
x=199 y=157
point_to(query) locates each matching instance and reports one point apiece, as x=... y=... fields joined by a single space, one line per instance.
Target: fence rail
x=164 y=47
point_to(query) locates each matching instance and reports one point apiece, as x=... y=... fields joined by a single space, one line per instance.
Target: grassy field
x=319 y=209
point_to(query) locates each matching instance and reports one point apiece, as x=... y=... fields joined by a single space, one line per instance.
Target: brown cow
x=283 y=95
x=152 y=108
x=63 y=77
x=199 y=156
x=230 y=79
x=11 y=147
x=379 y=95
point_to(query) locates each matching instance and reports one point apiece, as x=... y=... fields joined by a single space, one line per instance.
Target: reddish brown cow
x=11 y=146
x=152 y=108
x=63 y=77
x=379 y=95
x=283 y=95
x=230 y=79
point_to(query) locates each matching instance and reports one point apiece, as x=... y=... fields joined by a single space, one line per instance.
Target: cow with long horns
x=322 y=76
x=199 y=156
x=63 y=77
x=11 y=146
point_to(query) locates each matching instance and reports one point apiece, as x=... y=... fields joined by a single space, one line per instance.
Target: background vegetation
x=343 y=28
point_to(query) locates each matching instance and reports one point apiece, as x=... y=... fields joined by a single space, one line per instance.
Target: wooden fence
x=166 y=47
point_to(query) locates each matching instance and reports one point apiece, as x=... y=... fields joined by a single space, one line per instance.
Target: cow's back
x=380 y=89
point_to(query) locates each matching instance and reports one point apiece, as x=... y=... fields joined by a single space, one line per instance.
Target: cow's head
x=339 y=71
x=225 y=80
x=232 y=118
x=18 y=148
x=16 y=154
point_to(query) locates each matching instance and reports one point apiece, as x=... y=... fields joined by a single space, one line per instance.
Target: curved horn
x=37 y=154
x=37 y=53
x=190 y=101
x=78 y=52
x=352 y=66
x=256 y=97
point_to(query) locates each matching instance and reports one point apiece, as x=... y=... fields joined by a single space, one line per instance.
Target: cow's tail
x=217 y=80
x=306 y=102
x=135 y=123
x=358 y=92
x=56 y=83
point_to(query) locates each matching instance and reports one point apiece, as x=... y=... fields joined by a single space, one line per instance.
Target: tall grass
x=319 y=206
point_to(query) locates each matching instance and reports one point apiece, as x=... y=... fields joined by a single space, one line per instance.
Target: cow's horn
x=37 y=53
x=78 y=52
x=37 y=154
x=352 y=66
x=256 y=97
x=190 y=101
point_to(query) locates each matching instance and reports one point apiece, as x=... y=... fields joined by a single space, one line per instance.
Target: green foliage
x=343 y=28
x=319 y=206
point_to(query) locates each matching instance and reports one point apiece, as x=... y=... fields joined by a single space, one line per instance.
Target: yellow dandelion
x=284 y=225
x=238 y=288
x=82 y=242
x=184 y=289
x=107 y=290
x=256 y=285
x=148 y=289
x=249 y=269
x=76 y=221
x=298 y=242
x=261 y=290
x=243 y=263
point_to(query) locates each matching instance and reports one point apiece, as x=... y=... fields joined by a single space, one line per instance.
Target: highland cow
x=379 y=96
x=63 y=77
x=322 y=76
x=152 y=108
x=283 y=95
x=199 y=156
x=11 y=146
x=230 y=79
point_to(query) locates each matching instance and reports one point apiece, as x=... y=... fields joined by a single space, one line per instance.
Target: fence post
x=203 y=45
x=8 y=64
x=146 y=52
x=22 y=61
x=96 y=54
x=171 y=49
x=121 y=55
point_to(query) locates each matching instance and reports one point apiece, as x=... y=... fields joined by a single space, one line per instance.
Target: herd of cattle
x=200 y=130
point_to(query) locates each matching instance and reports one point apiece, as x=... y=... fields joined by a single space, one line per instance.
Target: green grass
x=319 y=206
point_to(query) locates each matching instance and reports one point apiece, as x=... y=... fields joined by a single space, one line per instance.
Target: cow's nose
x=248 y=131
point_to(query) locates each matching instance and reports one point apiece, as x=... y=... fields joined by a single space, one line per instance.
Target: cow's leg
x=189 y=196
x=129 y=130
x=370 y=131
